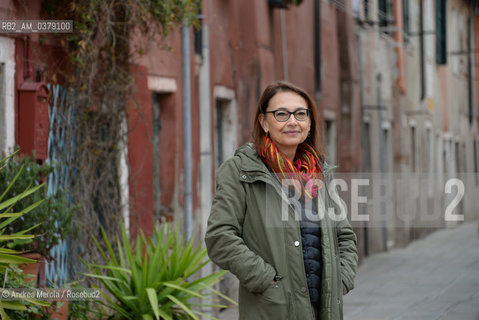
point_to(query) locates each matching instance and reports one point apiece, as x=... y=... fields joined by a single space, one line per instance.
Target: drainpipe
x=382 y=162
x=363 y=130
x=185 y=37
x=206 y=160
x=469 y=65
x=317 y=44
x=283 y=45
x=206 y=157
x=399 y=39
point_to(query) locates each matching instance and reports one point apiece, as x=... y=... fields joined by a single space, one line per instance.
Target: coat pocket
x=274 y=294
x=264 y=306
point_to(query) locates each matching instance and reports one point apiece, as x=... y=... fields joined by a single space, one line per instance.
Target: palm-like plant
x=154 y=277
x=8 y=256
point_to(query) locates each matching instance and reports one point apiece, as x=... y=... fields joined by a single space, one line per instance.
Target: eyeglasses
x=283 y=115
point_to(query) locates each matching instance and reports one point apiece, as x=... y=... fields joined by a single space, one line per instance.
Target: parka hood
x=250 y=161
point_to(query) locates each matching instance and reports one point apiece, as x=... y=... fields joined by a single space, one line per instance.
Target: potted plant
x=51 y=219
x=10 y=274
x=154 y=277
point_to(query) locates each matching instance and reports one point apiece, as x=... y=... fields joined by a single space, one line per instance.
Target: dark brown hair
x=283 y=86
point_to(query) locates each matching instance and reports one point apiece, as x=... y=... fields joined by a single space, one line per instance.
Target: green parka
x=254 y=233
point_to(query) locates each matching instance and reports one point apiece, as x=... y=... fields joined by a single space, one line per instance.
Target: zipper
x=336 y=259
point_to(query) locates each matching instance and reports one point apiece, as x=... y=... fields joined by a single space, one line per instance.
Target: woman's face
x=289 y=134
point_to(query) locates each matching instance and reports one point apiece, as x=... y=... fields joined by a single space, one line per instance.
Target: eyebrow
x=298 y=108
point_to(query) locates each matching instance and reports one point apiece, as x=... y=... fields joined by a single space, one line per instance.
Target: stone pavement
x=433 y=278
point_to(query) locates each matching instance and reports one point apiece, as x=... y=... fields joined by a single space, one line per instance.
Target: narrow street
x=433 y=278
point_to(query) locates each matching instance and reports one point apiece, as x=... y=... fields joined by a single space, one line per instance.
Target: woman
x=267 y=224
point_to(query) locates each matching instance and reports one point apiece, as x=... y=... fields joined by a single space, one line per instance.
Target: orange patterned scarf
x=306 y=171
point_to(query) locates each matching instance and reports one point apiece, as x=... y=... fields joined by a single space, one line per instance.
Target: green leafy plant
x=9 y=258
x=51 y=216
x=153 y=278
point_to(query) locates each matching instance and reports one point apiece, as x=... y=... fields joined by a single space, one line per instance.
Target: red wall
x=476 y=71
x=140 y=155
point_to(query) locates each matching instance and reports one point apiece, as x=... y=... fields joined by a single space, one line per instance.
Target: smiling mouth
x=291 y=132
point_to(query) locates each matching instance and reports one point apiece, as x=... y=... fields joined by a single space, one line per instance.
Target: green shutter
x=405 y=12
x=441 y=35
x=382 y=6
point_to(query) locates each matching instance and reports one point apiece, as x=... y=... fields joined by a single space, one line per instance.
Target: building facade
x=394 y=81
x=419 y=111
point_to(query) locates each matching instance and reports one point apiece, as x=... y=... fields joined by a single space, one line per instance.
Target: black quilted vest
x=311 y=240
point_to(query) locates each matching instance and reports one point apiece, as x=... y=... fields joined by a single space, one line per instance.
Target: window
x=459 y=161
x=331 y=141
x=198 y=36
x=476 y=160
x=356 y=4
x=157 y=102
x=225 y=130
x=406 y=20
x=413 y=149
x=441 y=38
x=461 y=38
x=156 y=155
x=438 y=162
x=361 y=10
x=387 y=151
x=385 y=16
x=461 y=48
x=429 y=169
x=198 y=41
x=367 y=148
x=221 y=105
x=366 y=10
x=457 y=157
x=225 y=123
x=455 y=42
x=428 y=154
x=164 y=152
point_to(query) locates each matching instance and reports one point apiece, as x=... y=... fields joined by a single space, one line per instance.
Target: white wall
x=7 y=93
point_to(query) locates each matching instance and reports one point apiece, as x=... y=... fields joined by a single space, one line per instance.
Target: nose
x=292 y=119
